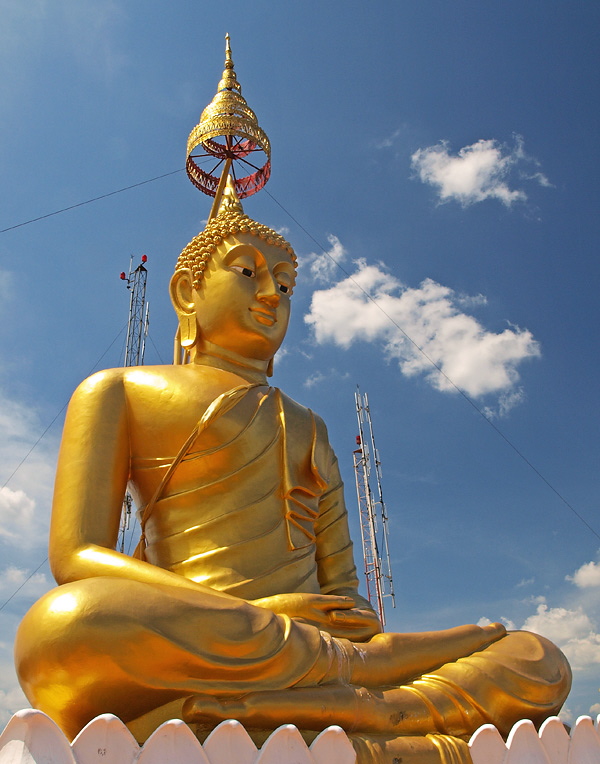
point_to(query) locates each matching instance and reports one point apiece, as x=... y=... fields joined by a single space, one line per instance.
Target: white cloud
x=467 y=301
x=506 y=402
x=477 y=172
x=315 y=379
x=566 y=715
x=322 y=266
x=12 y=578
x=595 y=709
x=372 y=305
x=586 y=576
x=24 y=517
x=318 y=377
x=25 y=500
x=12 y=697
x=525 y=582
x=508 y=624
x=16 y=514
x=540 y=178
x=388 y=141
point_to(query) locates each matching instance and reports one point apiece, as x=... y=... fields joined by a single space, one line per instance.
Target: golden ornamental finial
x=228 y=132
x=229 y=79
x=228 y=59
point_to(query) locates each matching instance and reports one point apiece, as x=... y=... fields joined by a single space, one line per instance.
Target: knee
x=538 y=662
x=529 y=649
x=55 y=627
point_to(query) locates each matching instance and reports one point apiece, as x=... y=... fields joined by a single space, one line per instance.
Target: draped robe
x=260 y=514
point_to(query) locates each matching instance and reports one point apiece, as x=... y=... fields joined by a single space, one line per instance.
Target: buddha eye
x=245 y=271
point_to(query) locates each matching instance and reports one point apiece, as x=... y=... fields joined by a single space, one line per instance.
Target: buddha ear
x=182 y=291
x=182 y=296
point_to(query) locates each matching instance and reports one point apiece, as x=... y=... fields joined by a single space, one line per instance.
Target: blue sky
x=446 y=155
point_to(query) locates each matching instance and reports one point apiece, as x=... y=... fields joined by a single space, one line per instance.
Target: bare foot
x=394 y=659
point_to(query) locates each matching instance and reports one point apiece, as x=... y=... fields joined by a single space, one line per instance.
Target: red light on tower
x=123 y=276
x=144 y=258
x=358 y=440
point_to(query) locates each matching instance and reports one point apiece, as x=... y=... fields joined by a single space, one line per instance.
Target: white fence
x=31 y=737
x=553 y=744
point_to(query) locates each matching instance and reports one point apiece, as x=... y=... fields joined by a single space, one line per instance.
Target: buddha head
x=231 y=290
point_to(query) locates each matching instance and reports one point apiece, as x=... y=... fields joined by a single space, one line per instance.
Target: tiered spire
x=228 y=138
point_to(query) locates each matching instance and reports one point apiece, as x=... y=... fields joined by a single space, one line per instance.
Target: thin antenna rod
x=372 y=511
x=385 y=563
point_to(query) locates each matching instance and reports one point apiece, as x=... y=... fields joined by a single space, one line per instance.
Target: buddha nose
x=268 y=289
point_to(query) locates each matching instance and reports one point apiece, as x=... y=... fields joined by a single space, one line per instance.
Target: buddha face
x=243 y=303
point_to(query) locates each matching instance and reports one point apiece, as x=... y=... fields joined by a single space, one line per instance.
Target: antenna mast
x=372 y=511
x=137 y=331
x=137 y=325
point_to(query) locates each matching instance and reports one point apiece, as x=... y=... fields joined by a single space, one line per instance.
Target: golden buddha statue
x=242 y=599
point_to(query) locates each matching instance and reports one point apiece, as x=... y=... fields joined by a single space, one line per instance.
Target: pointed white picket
x=555 y=740
x=524 y=745
x=333 y=747
x=585 y=743
x=31 y=737
x=229 y=742
x=105 y=740
x=285 y=745
x=487 y=746
x=172 y=742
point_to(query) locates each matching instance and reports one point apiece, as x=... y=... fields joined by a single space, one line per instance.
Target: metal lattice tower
x=372 y=512
x=137 y=326
x=135 y=346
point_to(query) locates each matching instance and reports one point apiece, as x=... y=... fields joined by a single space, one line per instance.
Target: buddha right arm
x=91 y=479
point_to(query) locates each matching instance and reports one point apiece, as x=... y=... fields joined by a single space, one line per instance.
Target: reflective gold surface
x=228 y=129
x=242 y=599
x=228 y=113
x=245 y=598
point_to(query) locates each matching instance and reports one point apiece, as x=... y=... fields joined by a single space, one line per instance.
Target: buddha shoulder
x=153 y=382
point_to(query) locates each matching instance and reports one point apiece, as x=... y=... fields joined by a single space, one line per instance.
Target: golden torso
x=239 y=512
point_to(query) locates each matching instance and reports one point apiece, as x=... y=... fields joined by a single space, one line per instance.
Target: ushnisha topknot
x=200 y=249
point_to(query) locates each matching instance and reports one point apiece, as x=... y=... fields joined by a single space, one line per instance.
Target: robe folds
x=257 y=512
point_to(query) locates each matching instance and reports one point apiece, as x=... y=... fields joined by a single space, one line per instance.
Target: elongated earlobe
x=188 y=331
x=182 y=297
x=270 y=368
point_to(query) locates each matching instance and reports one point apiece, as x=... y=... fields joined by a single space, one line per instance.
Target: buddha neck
x=250 y=369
